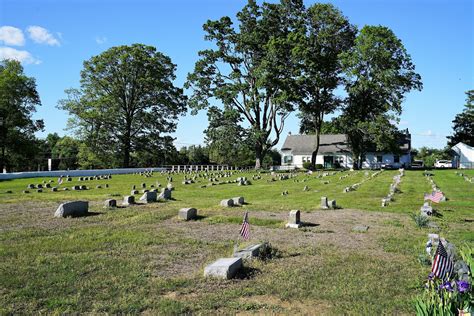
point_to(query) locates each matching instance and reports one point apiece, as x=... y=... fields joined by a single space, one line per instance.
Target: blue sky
x=54 y=37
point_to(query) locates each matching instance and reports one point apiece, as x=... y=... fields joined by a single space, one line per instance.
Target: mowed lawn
x=142 y=259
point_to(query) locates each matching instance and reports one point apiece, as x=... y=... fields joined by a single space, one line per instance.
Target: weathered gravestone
x=360 y=228
x=110 y=203
x=426 y=209
x=74 y=208
x=31 y=186
x=128 y=200
x=248 y=252
x=224 y=268
x=54 y=189
x=133 y=192
x=227 y=203
x=324 y=203
x=332 y=204
x=165 y=194
x=149 y=197
x=187 y=213
x=238 y=200
x=294 y=219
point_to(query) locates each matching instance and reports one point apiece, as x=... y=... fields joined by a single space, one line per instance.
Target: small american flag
x=245 y=229
x=435 y=196
x=443 y=265
x=60 y=180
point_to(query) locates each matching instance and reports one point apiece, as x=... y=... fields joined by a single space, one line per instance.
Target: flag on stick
x=443 y=265
x=245 y=229
x=60 y=180
x=435 y=196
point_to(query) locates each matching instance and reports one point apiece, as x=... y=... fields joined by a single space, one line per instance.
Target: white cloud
x=10 y=35
x=402 y=122
x=42 y=36
x=427 y=133
x=101 y=40
x=21 y=55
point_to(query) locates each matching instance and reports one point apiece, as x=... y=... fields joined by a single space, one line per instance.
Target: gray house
x=334 y=151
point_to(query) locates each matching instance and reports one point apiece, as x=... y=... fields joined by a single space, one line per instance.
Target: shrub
x=421 y=220
x=307 y=165
x=319 y=166
x=268 y=252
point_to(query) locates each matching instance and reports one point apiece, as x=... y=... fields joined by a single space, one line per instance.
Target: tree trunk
x=315 y=152
x=259 y=154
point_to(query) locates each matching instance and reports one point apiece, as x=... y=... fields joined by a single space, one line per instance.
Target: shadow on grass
x=247 y=273
x=87 y=214
x=308 y=224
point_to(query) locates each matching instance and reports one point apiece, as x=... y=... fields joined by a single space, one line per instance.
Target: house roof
x=331 y=143
x=304 y=144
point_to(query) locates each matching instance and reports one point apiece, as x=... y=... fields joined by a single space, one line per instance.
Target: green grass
x=142 y=259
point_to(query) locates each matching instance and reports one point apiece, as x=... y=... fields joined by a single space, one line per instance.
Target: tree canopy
x=379 y=74
x=250 y=70
x=18 y=101
x=323 y=36
x=126 y=104
x=463 y=123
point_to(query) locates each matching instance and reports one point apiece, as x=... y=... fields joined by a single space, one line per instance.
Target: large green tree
x=250 y=69
x=126 y=102
x=463 y=123
x=379 y=74
x=324 y=35
x=18 y=101
x=227 y=140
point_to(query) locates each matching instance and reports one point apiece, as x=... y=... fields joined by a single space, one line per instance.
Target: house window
x=288 y=159
x=379 y=158
x=396 y=159
x=306 y=159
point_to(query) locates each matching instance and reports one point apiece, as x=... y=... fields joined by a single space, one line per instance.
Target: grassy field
x=142 y=259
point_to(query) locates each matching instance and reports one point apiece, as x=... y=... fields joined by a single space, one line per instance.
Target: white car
x=443 y=164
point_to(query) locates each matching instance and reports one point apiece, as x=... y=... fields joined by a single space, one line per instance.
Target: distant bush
x=319 y=166
x=307 y=165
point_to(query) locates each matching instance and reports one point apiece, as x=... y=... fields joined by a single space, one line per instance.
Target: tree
x=226 y=139
x=379 y=74
x=127 y=100
x=66 y=149
x=463 y=123
x=18 y=101
x=250 y=70
x=325 y=35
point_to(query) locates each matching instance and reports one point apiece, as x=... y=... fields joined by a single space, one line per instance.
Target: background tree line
x=269 y=61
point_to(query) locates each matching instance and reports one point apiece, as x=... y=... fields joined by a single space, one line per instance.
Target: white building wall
x=466 y=155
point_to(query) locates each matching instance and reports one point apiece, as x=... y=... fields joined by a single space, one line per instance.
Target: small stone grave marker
x=187 y=213
x=294 y=219
x=74 y=208
x=224 y=268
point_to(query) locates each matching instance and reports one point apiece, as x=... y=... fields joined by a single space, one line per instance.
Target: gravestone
x=238 y=200
x=39 y=186
x=324 y=203
x=47 y=185
x=83 y=187
x=248 y=252
x=110 y=203
x=39 y=190
x=169 y=186
x=31 y=186
x=227 y=203
x=332 y=204
x=149 y=197
x=294 y=219
x=426 y=209
x=74 y=208
x=26 y=191
x=360 y=228
x=133 y=192
x=98 y=186
x=224 y=268
x=106 y=185
x=128 y=200
x=165 y=194
x=143 y=185
x=187 y=213
x=145 y=190
x=54 y=189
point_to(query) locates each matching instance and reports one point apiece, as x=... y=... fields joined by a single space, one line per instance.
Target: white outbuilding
x=463 y=156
